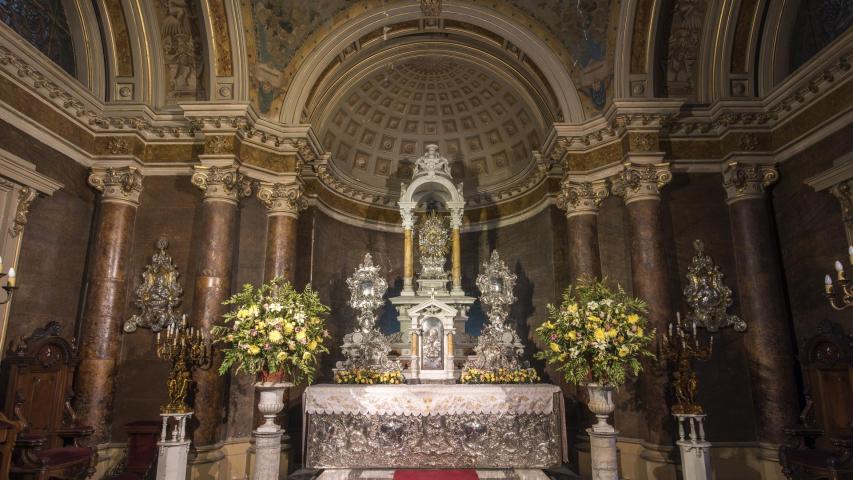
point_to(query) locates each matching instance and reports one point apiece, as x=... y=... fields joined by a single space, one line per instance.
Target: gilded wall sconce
x=159 y=293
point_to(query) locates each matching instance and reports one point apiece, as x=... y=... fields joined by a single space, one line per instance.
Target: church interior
x=533 y=239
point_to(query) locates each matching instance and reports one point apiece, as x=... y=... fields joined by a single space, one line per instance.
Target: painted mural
x=818 y=23
x=44 y=25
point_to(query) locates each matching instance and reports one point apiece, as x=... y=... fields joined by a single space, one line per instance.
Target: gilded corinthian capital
x=221 y=183
x=119 y=184
x=641 y=181
x=747 y=181
x=282 y=198
x=581 y=198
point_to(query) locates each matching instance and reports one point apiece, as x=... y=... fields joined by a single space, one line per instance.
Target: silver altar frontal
x=437 y=426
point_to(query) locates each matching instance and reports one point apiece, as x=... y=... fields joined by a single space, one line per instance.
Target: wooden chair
x=140 y=462
x=9 y=430
x=38 y=373
x=821 y=445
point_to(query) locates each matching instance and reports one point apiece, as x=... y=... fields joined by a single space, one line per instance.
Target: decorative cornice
x=221 y=183
x=282 y=198
x=581 y=198
x=641 y=181
x=744 y=181
x=117 y=184
x=25 y=198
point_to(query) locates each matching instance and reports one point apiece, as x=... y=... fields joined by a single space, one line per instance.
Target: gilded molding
x=219 y=144
x=581 y=198
x=282 y=198
x=643 y=142
x=25 y=199
x=118 y=146
x=638 y=182
x=121 y=184
x=747 y=181
x=221 y=183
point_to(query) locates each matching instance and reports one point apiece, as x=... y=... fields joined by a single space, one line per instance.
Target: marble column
x=639 y=185
x=408 y=215
x=580 y=201
x=223 y=187
x=456 y=251
x=284 y=201
x=762 y=299
x=106 y=295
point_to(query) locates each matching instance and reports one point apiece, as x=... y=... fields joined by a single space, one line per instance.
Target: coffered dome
x=484 y=124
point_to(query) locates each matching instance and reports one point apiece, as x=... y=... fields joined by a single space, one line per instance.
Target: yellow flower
x=554 y=347
x=633 y=318
x=288 y=328
x=242 y=313
x=254 y=349
x=548 y=325
x=599 y=334
x=281 y=356
x=306 y=356
x=573 y=308
x=312 y=345
x=639 y=331
x=612 y=333
x=594 y=318
x=623 y=350
x=300 y=335
x=275 y=336
x=261 y=324
x=573 y=335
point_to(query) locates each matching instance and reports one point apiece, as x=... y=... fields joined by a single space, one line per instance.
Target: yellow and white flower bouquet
x=596 y=335
x=273 y=329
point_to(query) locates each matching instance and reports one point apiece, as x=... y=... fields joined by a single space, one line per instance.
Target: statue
x=431 y=163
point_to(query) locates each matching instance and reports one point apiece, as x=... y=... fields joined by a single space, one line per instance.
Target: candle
x=158 y=338
x=827 y=283
x=1 y=264
x=839 y=269
x=850 y=254
x=12 y=277
x=694 y=328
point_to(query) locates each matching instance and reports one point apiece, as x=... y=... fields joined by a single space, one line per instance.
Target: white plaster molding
x=24 y=173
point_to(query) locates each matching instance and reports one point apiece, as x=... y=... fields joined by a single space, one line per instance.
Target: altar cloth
x=434 y=426
x=422 y=400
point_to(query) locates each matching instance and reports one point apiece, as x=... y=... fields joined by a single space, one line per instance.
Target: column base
x=172 y=460
x=267 y=464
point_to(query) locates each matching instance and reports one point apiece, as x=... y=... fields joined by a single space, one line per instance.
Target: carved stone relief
x=182 y=49
x=682 y=54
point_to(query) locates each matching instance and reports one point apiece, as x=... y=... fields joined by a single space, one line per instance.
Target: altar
x=436 y=426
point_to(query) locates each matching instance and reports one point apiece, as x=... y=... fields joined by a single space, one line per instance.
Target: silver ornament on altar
x=367 y=288
x=367 y=348
x=159 y=294
x=707 y=296
x=498 y=346
x=496 y=285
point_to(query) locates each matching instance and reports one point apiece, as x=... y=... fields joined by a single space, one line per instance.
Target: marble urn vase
x=601 y=404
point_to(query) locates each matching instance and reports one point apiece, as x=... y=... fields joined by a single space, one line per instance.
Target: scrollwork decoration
x=707 y=296
x=159 y=293
x=432 y=246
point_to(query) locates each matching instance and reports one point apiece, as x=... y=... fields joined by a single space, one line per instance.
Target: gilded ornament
x=433 y=238
x=25 y=199
x=748 y=181
x=680 y=347
x=707 y=296
x=119 y=184
x=641 y=181
x=284 y=198
x=186 y=348
x=431 y=8
x=218 y=145
x=223 y=182
x=642 y=142
x=581 y=197
x=117 y=146
x=159 y=293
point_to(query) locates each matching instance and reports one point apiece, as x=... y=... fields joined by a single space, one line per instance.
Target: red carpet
x=436 y=475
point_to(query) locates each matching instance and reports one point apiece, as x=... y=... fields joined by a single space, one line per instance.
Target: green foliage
x=273 y=328
x=596 y=335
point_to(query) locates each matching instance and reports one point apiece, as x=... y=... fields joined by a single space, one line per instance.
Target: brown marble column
x=640 y=186
x=581 y=200
x=106 y=294
x=762 y=299
x=284 y=201
x=222 y=187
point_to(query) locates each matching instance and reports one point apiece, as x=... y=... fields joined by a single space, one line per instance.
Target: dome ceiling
x=483 y=124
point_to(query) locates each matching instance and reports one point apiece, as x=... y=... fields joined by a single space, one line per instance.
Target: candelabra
x=187 y=348
x=681 y=347
x=10 y=286
x=841 y=297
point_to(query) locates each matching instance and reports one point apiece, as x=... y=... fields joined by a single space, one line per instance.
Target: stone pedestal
x=605 y=457
x=174 y=447
x=268 y=435
x=695 y=450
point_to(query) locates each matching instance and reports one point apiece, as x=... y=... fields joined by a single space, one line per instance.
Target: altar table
x=435 y=426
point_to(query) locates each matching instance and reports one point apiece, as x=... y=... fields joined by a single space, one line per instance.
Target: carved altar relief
x=433 y=321
x=432 y=349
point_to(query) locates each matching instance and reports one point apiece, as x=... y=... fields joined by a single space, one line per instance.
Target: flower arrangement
x=369 y=377
x=273 y=328
x=596 y=335
x=501 y=375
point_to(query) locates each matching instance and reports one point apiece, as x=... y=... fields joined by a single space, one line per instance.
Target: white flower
x=300 y=317
x=591 y=305
x=275 y=307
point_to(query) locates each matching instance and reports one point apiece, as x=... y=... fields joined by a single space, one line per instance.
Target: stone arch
x=330 y=47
